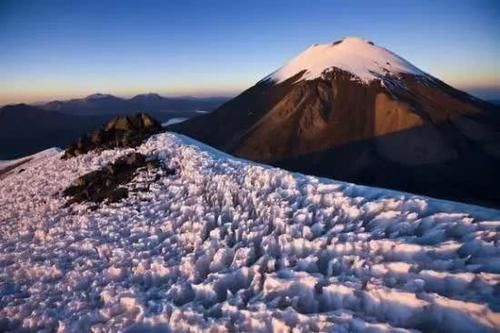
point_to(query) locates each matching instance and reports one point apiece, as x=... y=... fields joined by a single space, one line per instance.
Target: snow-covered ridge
x=355 y=55
x=227 y=245
x=40 y=155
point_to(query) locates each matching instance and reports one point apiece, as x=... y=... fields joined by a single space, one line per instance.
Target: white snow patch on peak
x=358 y=56
x=98 y=96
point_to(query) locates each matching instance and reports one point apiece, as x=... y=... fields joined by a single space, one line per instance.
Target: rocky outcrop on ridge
x=122 y=131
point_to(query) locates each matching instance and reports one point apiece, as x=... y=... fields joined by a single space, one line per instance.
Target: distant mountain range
x=351 y=110
x=108 y=104
x=25 y=129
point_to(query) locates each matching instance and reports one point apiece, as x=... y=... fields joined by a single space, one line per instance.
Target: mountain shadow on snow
x=122 y=131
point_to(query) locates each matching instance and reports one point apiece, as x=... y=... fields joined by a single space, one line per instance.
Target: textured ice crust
x=42 y=154
x=226 y=245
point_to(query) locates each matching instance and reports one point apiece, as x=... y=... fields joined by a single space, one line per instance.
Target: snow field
x=228 y=245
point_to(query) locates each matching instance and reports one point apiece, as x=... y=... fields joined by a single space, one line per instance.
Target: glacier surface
x=228 y=245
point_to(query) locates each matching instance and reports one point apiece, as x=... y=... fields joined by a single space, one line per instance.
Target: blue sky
x=59 y=49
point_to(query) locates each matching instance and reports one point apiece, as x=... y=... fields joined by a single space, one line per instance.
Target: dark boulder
x=122 y=131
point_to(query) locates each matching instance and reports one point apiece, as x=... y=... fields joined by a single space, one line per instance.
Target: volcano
x=354 y=111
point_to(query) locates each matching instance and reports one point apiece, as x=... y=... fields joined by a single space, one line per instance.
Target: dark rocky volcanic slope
x=354 y=111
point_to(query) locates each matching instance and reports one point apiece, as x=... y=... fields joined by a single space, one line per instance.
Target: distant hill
x=109 y=104
x=26 y=129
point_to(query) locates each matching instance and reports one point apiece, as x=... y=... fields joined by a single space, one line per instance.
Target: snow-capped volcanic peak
x=352 y=54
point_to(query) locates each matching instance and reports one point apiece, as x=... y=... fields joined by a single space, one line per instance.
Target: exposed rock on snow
x=227 y=245
x=122 y=131
x=107 y=182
